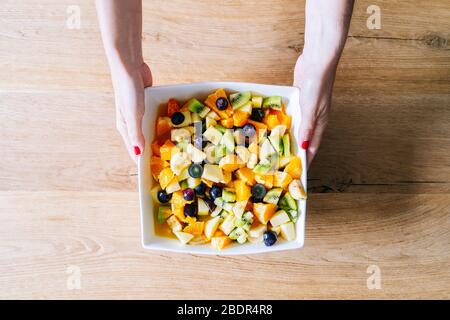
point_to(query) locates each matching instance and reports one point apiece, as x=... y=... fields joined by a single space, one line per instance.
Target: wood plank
x=42 y=233
x=273 y=37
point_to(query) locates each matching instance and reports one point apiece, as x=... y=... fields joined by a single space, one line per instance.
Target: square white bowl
x=154 y=97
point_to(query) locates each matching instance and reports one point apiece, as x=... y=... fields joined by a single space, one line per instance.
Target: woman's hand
x=316 y=84
x=326 y=28
x=129 y=96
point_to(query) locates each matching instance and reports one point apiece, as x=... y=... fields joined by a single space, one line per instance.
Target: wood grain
x=379 y=188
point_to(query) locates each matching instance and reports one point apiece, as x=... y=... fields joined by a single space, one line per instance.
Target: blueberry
x=177 y=118
x=195 y=170
x=270 y=238
x=188 y=194
x=257 y=114
x=190 y=210
x=221 y=103
x=258 y=192
x=215 y=192
x=163 y=197
x=200 y=189
x=249 y=130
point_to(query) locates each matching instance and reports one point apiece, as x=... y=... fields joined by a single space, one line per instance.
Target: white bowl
x=156 y=96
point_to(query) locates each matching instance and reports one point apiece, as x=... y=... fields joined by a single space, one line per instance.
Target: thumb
x=137 y=141
x=306 y=130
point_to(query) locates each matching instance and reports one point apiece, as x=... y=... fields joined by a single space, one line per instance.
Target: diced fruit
x=174 y=223
x=227 y=123
x=179 y=161
x=246 y=175
x=227 y=177
x=181 y=134
x=266 y=180
x=258 y=125
x=195 y=228
x=273 y=102
x=262 y=168
x=276 y=229
x=293 y=215
x=163 y=126
x=273 y=195
x=264 y=211
x=247 y=108
x=294 y=168
x=287 y=202
x=239 y=208
x=204 y=112
x=257 y=102
x=243 y=191
x=172 y=107
x=213 y=135
x=228 y=224
x=195 y=106
x=279 y=218
x=230 y=163
x=270 y=238
x=164 y=212
x=212 y=172
x=286 y=145
x=184 y=237
x=296 y=190
x=157 y=165
x=177 y=199
x=228 y=140
x=281 y=179
x=288 y=231
x=236 y=233
x=220 y=243
x=193 y=182
x=271 y=121
x=240 y=99
x=266 y=150
x=213 y=115
x=242 y=239
x=165 y=177
x=166 y=150
x=210 y=151
x=240 y=118
x=257 y=231
x=202 y=208
x=252 y=161
x=284 y=161
x=211 y=227
x=228 y=195
x=243 y=154
x=210 y=122
x=211 y=102
x=173 y=186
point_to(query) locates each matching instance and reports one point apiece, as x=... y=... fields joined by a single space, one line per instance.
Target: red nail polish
x=137 y=150
x=305 y=144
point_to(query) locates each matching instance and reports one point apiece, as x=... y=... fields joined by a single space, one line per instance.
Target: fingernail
x=305 y=144
x=137 y=150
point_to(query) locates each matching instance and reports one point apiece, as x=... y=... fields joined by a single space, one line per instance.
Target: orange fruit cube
x=240 y=118
x=157 y=165
x=264 y=211
x=166 y=150
x=163 y=125
x=243 y=191
x=266 y=180
x=172 y=107
x=294 y=168
x=165 y=177
x=247 y=175
x=221 y=242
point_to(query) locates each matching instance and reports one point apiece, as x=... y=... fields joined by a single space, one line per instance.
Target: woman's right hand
x=129 y=84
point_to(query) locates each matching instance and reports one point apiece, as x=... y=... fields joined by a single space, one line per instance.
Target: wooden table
x=380 y=187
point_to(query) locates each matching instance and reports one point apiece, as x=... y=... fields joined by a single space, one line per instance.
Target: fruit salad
x=225 y=171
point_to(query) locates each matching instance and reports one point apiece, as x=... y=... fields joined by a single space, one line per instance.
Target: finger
x=316 y=139
x=147 y=77
x=306 y=129
x=122 y=128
